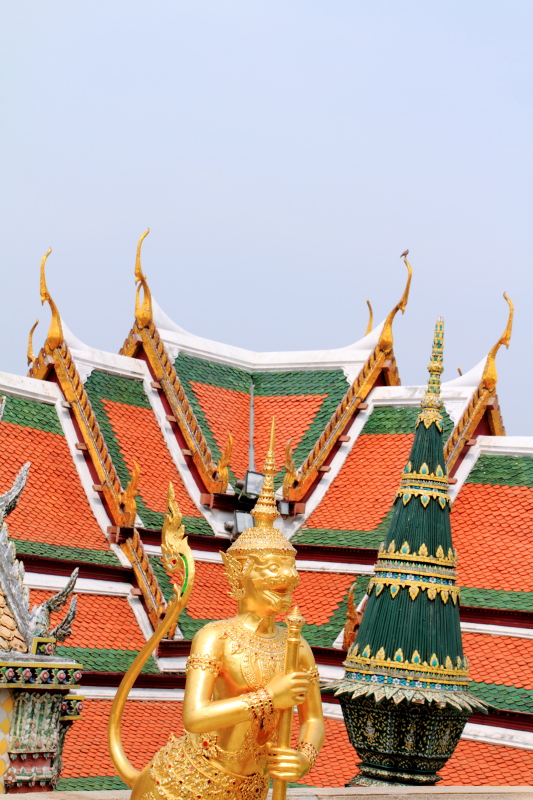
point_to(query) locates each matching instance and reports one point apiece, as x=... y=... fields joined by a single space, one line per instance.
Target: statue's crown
x=263 y=537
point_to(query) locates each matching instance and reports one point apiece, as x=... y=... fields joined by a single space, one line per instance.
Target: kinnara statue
x=243 y=678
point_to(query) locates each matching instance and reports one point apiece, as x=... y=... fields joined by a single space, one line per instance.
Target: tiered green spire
x=409 y=642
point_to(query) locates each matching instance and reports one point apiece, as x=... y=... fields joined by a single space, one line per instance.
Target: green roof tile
x=105 y=660
x=506 y=698
x=503 y=471
x=130 y=391
x=343 y=538
x=25 y=547
x=301 y=382
x=497 y=598
x=90 y=784
x=31 y=414
x=101 y=386
x=399 y=419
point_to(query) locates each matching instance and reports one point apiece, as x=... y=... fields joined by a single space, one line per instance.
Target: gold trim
x=405 y=568
x=30 y=355
x=405 y=554
x=369 y=664
x=55 y=336
x=356 y=394
x=142 y=567
x=386 y=339
x=163 y=369
x=370 y=318
x=431 y=589
x=143 y=311
x=483 y=401
x=224 y=463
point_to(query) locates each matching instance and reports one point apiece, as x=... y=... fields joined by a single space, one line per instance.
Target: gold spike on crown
x=263 y=537
x=432 y=403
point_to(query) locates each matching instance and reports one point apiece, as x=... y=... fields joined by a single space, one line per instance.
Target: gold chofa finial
x=263 y=537
x=386 y=339
x=370 y=318
x=490 y=374
x=55 y=331
x=143 y=311
x=30 y=355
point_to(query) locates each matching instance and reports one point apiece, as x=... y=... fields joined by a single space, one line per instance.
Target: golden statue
x=244 y=676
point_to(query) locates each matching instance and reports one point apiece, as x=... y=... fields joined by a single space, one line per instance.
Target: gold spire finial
x=55 y=331
x=30 y=355
x=370 y=318
x=143 y=311
x=490 y=374
x=435 y=368
x=386 y=339
x=432 y=403
x=265 y=510
x=263 y=537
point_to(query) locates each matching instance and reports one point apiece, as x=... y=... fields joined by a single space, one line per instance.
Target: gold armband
x=203 y=663
x=260 y=703
x=309 y=751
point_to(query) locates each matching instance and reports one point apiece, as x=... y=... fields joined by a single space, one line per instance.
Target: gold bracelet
x=259 y=703
x=309 y=751
x=203 y=663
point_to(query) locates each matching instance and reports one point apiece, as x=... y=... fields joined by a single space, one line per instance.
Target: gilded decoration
x=380 y=362
x=245 y=675
x=484 y=401
x=404 y=695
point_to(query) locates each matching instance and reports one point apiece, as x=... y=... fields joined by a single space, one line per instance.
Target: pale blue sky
x=283 y=155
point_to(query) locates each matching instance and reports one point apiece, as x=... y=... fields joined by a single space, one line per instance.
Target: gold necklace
x=261 y=657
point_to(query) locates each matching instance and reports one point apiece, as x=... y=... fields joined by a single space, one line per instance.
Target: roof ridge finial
x=55 y=336
x=265 y=510
x=370 y=318
x=143 y=311
x=30 y=355
x=490 y=374
x=386 y=339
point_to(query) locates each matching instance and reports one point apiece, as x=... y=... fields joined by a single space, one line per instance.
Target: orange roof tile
x=53 y=507
x=101 y=621
x=491 y=525
x=504 y=660
x=140 y=439
x=147 y=725
x=363 y=491
x=294 y=414
x=210 y=598
x=320 y=594
x=226 y=411
x=146 y=728
x=481 y=764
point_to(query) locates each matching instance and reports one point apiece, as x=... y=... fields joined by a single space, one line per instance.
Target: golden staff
x=295 y=623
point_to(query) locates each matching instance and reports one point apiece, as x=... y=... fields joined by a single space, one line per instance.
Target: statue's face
x=270 y=583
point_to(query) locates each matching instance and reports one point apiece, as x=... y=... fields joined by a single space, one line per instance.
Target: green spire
x=409 y=641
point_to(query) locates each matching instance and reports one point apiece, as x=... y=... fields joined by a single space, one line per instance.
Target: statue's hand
x=288 y=690
x=286 y=763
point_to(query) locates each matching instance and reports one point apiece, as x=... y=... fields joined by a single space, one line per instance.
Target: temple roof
x=85 y=418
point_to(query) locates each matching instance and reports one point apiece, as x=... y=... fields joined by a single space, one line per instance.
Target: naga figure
x=239 y=681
